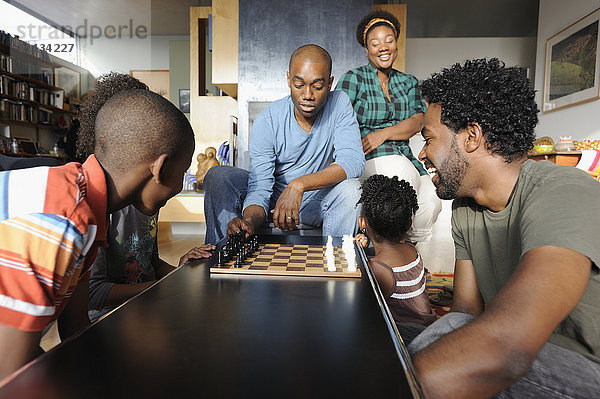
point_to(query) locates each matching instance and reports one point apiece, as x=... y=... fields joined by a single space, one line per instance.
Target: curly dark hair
x=388 y=205
x=360 y=29
x=497 y=97
x=107 y=86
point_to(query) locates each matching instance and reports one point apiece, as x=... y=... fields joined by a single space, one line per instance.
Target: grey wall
x=179 y=69
x=270 y=30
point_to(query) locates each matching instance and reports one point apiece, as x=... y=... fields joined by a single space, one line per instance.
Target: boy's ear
x=157 y=168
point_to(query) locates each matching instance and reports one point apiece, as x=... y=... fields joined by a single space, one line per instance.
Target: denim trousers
x=555 y=373
x=332 y=208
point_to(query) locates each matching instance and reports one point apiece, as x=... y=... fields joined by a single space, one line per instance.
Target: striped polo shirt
x=50 y=220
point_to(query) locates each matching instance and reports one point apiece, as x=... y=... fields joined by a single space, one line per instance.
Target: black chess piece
x=226 y=253
x=238 y=260
x=220 y=258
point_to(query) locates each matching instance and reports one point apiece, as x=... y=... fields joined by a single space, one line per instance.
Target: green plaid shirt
x=374 y=111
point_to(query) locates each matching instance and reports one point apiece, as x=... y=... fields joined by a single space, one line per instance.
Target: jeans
x=555 y=373
x=409 y=331
x=225 y=188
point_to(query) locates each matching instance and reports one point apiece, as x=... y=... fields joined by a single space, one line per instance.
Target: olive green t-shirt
x=552 y=205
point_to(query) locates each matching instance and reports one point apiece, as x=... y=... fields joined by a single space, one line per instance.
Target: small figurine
x=205 y=162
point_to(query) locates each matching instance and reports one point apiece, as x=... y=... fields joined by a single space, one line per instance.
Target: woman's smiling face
x=381 y=47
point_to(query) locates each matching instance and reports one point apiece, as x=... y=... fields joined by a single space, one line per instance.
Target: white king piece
x=329 y=255
x=349 y=253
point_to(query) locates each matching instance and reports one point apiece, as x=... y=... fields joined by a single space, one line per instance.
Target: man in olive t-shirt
x=525 y=320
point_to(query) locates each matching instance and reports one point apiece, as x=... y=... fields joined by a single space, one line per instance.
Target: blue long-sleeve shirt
x=280 y=151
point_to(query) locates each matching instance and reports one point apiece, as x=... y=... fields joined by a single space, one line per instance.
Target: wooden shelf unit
x=558 y=157
x=28 y=96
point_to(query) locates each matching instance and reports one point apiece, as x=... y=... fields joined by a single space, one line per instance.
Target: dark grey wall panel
x=270 y=30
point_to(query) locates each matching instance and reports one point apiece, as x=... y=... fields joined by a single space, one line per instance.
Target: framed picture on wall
x=572 y=68
x=68 y=80
x=184 y=100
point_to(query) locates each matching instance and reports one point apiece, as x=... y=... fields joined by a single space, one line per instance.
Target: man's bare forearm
x=327 y=177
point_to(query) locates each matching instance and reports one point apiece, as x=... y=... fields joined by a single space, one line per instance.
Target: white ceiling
x=431 y=18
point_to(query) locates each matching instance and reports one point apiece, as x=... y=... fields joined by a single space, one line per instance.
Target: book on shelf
x=58 y=98
x=13 y=41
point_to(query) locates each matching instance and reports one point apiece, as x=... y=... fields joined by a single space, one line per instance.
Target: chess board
x=290 y=260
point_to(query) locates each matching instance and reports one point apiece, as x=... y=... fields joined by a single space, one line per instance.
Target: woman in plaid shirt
x=390 y=109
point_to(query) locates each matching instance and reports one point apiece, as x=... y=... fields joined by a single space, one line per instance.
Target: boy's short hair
x=389 y=205
x=125 y=123
x=138 y=125
x=107 y=86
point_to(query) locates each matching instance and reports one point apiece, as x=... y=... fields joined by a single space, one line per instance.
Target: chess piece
x=226 y=253
x=348 y=248
x=238 y=260
x=329 y=255
x=220 y=258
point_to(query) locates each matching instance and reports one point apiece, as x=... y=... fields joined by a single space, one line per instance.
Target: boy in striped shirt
x=52 y=220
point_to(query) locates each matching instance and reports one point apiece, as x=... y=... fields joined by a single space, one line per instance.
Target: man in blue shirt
x=305 y=155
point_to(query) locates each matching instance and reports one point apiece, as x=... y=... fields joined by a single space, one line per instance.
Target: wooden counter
x=558 y=157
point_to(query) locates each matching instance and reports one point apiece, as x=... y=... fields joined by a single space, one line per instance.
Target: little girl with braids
x=388 y=207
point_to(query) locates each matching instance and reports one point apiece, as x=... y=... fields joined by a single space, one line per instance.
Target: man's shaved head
x=138 y=125
x=312 y=53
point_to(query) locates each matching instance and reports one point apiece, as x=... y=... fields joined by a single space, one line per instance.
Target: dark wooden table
x=196 y=334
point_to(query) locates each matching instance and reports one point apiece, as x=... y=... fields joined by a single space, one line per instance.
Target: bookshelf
x=28 y=96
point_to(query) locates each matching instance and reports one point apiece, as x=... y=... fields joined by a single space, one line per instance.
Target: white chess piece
x=329 y=255
x=348 y=248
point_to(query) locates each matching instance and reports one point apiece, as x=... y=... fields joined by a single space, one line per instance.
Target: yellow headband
x=373 y=22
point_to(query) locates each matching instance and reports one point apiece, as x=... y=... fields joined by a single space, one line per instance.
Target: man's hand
x=236 y=225
x=373 y=140
x=203 y=251
x=287 y=209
